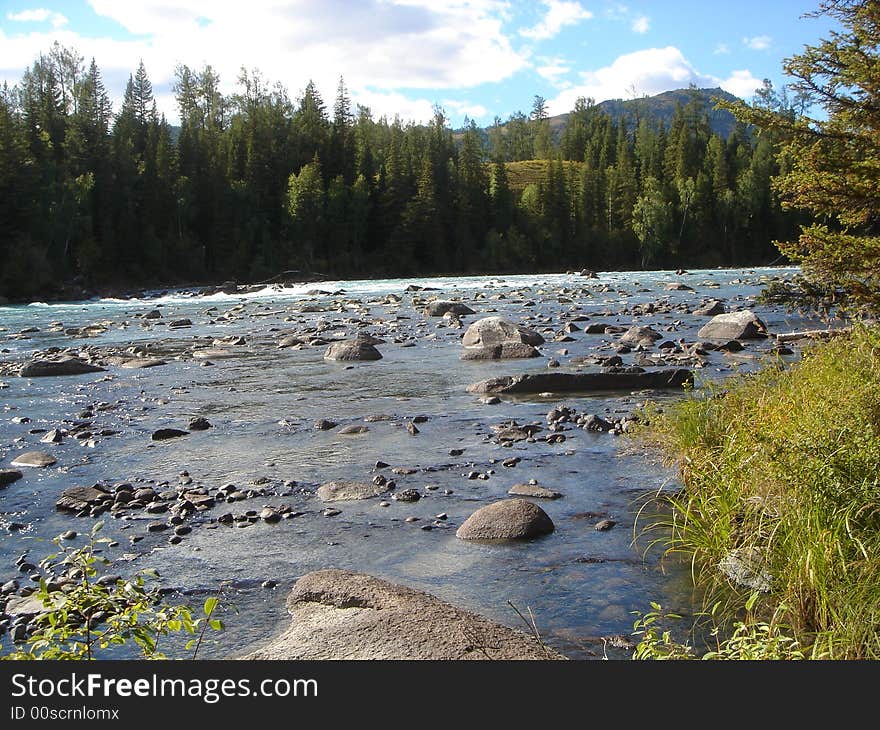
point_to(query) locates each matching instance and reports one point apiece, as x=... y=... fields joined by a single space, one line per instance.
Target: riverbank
x=779 y=511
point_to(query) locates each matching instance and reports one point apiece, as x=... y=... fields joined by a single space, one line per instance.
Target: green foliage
x=95 y=199
x=87 y=617
x=829 y=166
x=749 y=641
x=780 y=477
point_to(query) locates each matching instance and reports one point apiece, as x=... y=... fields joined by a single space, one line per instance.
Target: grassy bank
x=780 y=511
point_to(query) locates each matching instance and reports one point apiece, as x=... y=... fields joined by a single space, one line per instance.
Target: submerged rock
x=509 y=519
x=339 y=491
x=340 y=614
x=8 y=476
x=76 y=499
x=163 y=434
x=533 y=490
x=63 y=366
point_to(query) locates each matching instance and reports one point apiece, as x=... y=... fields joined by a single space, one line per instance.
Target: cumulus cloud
x=641 y=25
x=722 y=49
x=741 y=83
x=643 y=73
x=377 y=45
x=38 y=15
x=758 y=42
x=560 y=13
x=553 y=70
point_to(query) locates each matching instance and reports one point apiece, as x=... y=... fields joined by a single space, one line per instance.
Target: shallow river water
x=262 y=402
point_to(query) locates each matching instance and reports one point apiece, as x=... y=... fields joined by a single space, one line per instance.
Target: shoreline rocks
x=342 y=614
x=62 y=366
x=744 y=325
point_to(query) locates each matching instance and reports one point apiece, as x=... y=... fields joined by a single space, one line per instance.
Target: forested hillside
x=259 y=182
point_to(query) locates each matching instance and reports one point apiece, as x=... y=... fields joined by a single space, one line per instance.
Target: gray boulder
x=744 y=325
x=491 y=331
x=36 y=459
x=62 y=366
x=340 y=614
x=503 y=351
x=439 y=307
x=357 y=349
x=340 y=491
x=509 y=519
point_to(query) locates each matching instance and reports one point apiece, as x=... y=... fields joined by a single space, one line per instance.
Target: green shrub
x=86 y=618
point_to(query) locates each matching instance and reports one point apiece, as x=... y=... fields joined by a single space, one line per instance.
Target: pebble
x=69 y=535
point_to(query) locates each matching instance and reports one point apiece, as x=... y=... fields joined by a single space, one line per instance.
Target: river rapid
x=262 y=402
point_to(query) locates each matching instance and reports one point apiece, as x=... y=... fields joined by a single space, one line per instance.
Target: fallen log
x=583 y=382
x=812 y=334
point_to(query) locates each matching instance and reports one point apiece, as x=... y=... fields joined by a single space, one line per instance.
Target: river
x=262 y=402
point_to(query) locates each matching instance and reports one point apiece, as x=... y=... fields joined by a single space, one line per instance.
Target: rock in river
x=340 y=614
x=509 y=519
x=439 y=307
x=62 y=366
x=75 y=499
x=583 y=382
x=339 y=491
x=168 y=433
x=491 y=331
x=533 y=490
x=7 y=476
x=744 y=325
x=37 y=459
x=503 y=351
x=352 y=350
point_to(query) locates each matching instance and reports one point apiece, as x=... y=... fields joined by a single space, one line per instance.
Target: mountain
x=661 y=106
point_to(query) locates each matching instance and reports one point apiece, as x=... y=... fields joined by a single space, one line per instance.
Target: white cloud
x=643 y=73
x=741 y=83
x=722 y=49
x=553 y=69
x=560 y=13
x=758 y=42
x=641 y=24
x=376 y=45
x=38 y=15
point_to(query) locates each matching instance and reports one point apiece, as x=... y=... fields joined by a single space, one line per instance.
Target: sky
x=476 y=59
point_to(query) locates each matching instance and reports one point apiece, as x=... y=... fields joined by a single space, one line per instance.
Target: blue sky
x=479 y=58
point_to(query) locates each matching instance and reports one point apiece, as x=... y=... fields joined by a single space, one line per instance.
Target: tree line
x=256 y=183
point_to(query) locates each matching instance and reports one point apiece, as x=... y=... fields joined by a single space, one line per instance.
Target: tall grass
x=781 y=475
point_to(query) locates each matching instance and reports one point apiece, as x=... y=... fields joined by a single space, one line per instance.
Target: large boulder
x=509 y=519
x=357 y=349
x=491 y=331
x=743 y=325
x=339 y=491
x=439 y=307
x=340 y=614
x=63 y=366
x=36 y=459
x=503 y=351
x=583 y=382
